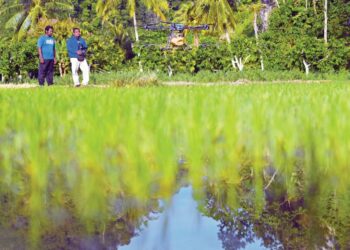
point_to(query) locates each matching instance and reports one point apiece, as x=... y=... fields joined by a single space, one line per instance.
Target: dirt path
x=31 y=85
x=242 y=82
x=17 y=86
x=181 y=83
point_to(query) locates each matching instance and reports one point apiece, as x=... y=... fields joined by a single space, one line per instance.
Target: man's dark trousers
x=46 y=70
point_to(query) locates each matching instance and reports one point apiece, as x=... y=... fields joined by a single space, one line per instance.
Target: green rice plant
x=82 y=150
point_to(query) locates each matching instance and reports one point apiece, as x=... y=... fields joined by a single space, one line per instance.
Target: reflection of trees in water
x=236 y=239
x=64 y=230
x=307 y=220
x=126 y=217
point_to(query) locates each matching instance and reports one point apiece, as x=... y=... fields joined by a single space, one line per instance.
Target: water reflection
x=216 y=219
x=64 y=230
x=304 y=221
x=182 y=226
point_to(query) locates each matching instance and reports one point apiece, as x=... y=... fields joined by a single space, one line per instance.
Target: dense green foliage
x=295 y=33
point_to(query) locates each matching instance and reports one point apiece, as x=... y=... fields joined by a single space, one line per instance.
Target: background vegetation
x=269 y=35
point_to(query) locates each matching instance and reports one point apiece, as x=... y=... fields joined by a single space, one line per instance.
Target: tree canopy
x=292 y=34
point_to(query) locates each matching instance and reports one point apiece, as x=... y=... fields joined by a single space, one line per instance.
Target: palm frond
x=14 y=22
x=7 y=10
x=106 y=9
x=55 y=8
x=159 y=7
x=22 y=31
x=131 y=4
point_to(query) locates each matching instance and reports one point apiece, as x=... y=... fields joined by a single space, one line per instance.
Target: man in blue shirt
x=47 y=57
x=77 y=47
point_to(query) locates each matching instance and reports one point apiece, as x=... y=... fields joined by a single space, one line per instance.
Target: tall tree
x=107 y=9
x=265 y=11
x=325 y=28
x=216 y=12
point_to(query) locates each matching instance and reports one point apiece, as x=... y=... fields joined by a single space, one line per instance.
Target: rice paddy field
x=91 y=168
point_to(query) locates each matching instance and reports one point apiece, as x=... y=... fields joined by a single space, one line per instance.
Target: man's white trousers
x=84 y=67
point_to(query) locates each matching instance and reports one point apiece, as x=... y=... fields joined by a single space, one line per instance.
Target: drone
x=176 y=37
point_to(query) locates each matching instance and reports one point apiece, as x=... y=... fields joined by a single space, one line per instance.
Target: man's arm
x=54 y=55
x=40 y=52
x=41 y=58
x=85 y=45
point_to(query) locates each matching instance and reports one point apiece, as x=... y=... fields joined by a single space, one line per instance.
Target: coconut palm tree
x=107 y=9
x=219 y=13
x=19 y=16
x=216 y=12
x=187 y=15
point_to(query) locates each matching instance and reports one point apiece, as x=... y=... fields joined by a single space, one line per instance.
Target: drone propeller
x=174 y=26
x=199 y=27
x=167 y=22
x=154 y=26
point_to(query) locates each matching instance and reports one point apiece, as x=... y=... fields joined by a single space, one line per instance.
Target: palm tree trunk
x=227 y=35
x=265 y=11
x=60 y=68
x=196 y=39
x=255 y=24
x=314 y=6
x=277 y=3
x=135 y=27
x=325 y=33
